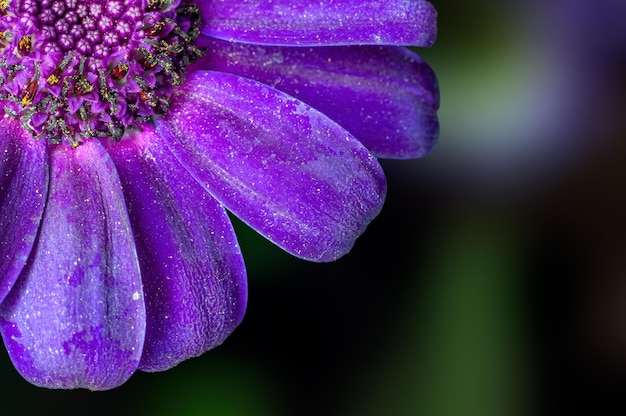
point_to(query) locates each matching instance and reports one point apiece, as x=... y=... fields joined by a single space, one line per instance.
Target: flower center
x=71 y=70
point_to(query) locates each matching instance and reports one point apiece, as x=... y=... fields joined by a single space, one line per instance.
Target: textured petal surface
x=76 y=317
x=322 y=22
x=23 y=190
x=193 y=272
x=282 y=167
x=386 y=96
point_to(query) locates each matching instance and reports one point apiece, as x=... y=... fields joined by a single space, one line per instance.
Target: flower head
x=131 y=125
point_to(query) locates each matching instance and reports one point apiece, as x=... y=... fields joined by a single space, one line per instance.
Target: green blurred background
x=493 y=282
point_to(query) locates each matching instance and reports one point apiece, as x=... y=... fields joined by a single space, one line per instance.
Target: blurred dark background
x=493 y=282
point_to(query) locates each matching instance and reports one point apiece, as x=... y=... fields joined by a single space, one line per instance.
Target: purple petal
x=386 y=96
x=282 y=167
x=75 y=317
x=23 y=189
x=322 y=22
x=193 y=273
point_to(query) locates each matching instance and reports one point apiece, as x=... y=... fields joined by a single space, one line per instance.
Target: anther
x=115 y=132
x=119 y=71
x=55 y=77
x=4 y=4
x=110 y=96
x=156 y=5
x=25 y=45
x=146 y=59
x=82 y=85
x=155 y=29
x=31 y=88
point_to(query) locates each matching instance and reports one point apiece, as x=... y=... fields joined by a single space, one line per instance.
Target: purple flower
x=130 y=126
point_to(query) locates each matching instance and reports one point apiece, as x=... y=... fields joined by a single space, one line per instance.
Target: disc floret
x=72 y=70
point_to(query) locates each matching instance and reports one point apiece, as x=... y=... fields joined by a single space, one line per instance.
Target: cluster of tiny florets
x=71 y=70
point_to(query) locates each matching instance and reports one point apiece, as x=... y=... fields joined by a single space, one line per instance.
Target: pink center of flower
x=73 y=69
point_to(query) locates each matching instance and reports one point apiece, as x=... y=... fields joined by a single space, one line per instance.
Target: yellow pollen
x=53 y=80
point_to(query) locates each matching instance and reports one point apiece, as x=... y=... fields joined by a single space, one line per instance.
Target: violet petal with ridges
x=23 y=191
x=193 y=273
x=281 y=166
x=322 y=22
x=75 y=317
x=387 y=97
